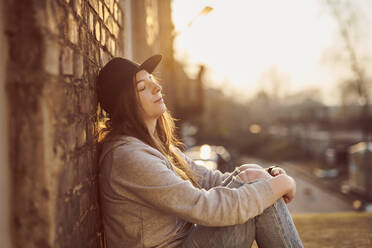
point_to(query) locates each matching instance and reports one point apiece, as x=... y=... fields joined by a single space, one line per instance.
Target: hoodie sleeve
x=210 y=178
x=137 y=169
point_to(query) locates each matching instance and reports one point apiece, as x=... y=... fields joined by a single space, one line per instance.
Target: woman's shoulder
x=125 y=142
x=124 y=145
x=134 y=154
x=120 y=138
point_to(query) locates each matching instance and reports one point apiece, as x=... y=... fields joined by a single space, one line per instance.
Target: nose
x=157 y=87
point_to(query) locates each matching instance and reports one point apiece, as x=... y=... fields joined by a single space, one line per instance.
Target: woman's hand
x=283 y=186
x=252 y=174
x=289 y=196
x=252 y=167
x=276 y=171
x=249 y=166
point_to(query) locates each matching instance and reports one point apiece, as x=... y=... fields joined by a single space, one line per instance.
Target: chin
x=161 y=112
x=163 y=108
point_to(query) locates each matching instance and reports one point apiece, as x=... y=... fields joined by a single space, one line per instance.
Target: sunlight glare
x=205 y=152
x=239 y=40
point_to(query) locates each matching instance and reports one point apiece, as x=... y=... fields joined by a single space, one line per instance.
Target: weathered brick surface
x=55 y=50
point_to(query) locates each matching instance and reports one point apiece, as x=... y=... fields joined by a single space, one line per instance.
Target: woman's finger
x=251 y=174
x=277 y=171
x=249 y=166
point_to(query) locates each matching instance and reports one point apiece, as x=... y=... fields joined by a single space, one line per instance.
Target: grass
x=341 y=230
x=335 y=229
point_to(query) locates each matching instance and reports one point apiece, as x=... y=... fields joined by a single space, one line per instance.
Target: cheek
x=144 y=101
x=148 y=107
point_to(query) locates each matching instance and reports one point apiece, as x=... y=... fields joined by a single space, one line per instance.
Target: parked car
x=335 y=161
x=360 y=168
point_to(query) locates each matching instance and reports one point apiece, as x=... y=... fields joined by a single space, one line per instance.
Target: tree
x=357 y=87
x=274 y=82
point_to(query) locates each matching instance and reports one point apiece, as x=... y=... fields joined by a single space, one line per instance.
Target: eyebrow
x=150 y=76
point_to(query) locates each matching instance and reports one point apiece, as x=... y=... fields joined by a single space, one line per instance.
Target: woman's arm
x=283 y=185
x=137 y=171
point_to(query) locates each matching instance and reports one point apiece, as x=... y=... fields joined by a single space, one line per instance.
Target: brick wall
x=55 y=50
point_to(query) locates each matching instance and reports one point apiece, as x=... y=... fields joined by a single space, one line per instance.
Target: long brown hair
x=126 y=120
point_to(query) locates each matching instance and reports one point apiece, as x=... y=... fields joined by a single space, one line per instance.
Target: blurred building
x=149 y=30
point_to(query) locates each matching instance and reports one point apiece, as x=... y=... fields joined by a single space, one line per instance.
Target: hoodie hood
x=111 y=142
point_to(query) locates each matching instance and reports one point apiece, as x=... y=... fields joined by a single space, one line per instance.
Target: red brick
x=103 y=36
x=106 y=15
x=94 y=4
x=79 y=65
x=48 y=17
x=104 y=56
x=81 y=135
x=70 y=137
x=51 y=59
x=115 y=11
x=91 y=22
x=110 y=24
x=120 y=17
x=107 y=2
x=115 y=30
x=84 y=203
x=67 y=61
x=111 y=5
x=73 y=29
x=77 y=6
x=100 y=10
x=68 y=178
x=98 y=31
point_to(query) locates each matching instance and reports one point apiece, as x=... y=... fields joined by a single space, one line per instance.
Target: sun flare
x=241 y=40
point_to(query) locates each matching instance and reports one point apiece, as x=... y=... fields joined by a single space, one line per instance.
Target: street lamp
x=205 y=11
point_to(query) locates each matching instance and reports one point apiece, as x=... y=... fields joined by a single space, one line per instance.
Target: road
x=311 y=197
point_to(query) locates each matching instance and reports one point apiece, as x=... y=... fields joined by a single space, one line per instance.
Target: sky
x=243 y=41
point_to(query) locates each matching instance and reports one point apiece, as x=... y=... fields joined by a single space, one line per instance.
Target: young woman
x=152 y=195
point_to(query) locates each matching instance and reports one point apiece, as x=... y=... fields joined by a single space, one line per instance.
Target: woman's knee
x=279 y=207
x=226 y=236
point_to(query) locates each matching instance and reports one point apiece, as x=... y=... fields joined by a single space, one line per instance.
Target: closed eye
x=141 y=88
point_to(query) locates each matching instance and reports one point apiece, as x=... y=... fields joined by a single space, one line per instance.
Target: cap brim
x=151 y=63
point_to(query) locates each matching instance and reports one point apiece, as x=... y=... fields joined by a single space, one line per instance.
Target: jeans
x=274 y=228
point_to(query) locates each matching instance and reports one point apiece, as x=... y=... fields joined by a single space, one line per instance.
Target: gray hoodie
x=145 y=203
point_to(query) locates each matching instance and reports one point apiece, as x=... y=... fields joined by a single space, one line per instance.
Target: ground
x=334 y=230
x=341 y=230
x=324 y=217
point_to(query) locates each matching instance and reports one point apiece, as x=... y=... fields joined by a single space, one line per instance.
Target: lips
x=159 y=100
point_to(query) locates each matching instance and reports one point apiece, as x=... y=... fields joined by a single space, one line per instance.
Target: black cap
x=116 y=74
